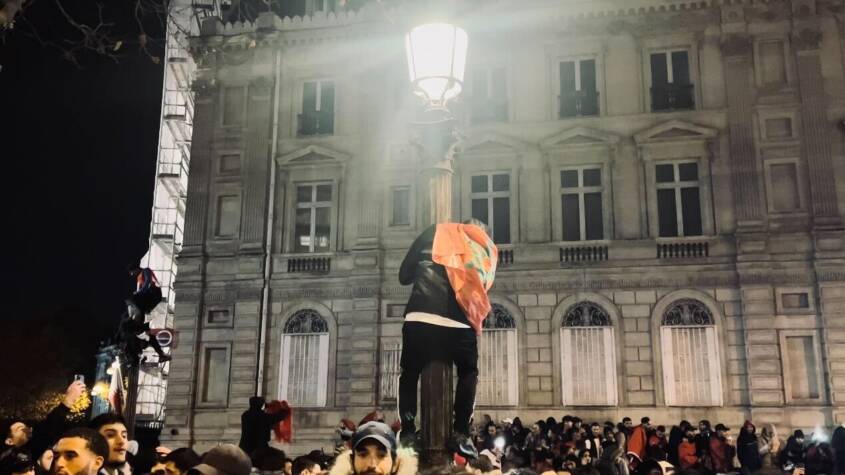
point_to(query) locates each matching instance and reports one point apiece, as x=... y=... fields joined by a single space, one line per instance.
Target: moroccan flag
x=117 y=394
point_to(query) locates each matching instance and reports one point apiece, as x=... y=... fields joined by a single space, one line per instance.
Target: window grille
x=390 y=370
x=498 y=377
x=305 y=357
x=588 y=356
x=691 y=363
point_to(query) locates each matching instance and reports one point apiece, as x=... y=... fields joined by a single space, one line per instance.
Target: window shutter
x=588 y=75
x=609 y=366
x=323 y=368
x=659 y=71
x=285 y=368
x=588 y=366
x=309 y=97
x=513 y=375
x=668 y=354
x=680 y=68
x=714 y=367
x=567 y=77
x=566 y=365
x=327 y=108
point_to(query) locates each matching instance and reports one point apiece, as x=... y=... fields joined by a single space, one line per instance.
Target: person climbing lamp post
x=436 y=54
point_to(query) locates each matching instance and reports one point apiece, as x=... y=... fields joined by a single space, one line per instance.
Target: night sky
x=79 y=154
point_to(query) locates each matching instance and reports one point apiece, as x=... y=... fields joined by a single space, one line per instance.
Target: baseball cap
x=225 y=459
x=378 y=431
x=722 y=427
x=507 y=420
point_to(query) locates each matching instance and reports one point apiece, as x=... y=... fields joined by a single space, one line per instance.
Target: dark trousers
x=421 y=343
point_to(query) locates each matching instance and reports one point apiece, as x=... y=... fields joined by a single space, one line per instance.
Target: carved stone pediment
x=492 y=143
x=313 y=155
x=675 y=130
x=580 y=136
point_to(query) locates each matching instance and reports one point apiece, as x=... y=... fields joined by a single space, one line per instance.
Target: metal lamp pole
x=436 y=61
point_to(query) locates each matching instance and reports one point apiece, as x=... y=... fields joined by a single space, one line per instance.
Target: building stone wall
x=748 y=255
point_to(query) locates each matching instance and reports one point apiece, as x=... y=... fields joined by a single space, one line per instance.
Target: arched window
x=691 y=365
x=305 y=360
x=588 y=356
x=498 y=377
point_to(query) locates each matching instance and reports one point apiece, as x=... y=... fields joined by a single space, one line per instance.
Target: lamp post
x=436 y=62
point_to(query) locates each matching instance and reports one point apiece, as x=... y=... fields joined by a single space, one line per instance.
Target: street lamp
x=436 y=63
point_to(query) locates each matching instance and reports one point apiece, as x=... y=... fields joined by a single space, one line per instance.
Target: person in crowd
x=638 y=442
x=628 y=426
x=792 y=455
x=288 y=467
x=722 y=450
x=16 y=442
x=819 y=458
x=113 y=428
x=451 y=267
x=748 y=449
x=256 y=425
x=268 y=459
x=658 y=446
x=769 y=445
x=80 y=451
x=535 y=443
x=837 y=443
x=702 y=438
x=490 y=436
x=176 y=462
x=305 y=466
x=676 y=436
x=20 y=464
x=480 y=466
x=224 y=459
x=374 y=452
x=595 y=441
x=687 y=456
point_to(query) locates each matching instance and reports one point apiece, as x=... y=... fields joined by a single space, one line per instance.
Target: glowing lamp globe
x=437 y=55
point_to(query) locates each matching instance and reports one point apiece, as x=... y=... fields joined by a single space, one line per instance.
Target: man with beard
x=113 y=428
x=374 y=452
x=79 y=451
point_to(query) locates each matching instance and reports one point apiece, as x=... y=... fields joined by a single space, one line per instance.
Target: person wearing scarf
x=748 y=449
x=451 y=267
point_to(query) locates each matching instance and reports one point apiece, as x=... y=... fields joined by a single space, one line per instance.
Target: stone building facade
x=665 y=179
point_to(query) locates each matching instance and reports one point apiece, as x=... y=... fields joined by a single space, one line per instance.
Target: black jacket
x=432 y=292
x=256 y=426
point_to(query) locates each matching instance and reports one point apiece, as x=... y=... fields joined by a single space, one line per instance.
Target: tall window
x=401 y=215
x=498 y=379
x=228 y=215
x=678 y=199
x=491 y=203
x=581 y=204
x=578 y=91
x=317 y=117
x=671 y=87
x=588 y=356
x=771 y=62
x=691 y=363
x=390 y=370
x=313 y=228
x=489 y=102
x=305 y=360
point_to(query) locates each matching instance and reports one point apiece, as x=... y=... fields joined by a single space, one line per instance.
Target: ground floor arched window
x=690 y=352
x=304 y=360
x=588 y=356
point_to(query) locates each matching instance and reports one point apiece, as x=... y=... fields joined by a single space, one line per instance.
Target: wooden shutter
x=588 y=366
x=680 y=68
x=588 y=75
x=567 y=77
x=326 y=113
x=659 y=71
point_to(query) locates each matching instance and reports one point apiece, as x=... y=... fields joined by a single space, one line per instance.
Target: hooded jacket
x=408 y=463
x=257 y=424
x=748 y=448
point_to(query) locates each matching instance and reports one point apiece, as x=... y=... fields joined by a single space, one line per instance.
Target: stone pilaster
x=196 y=207
x=765 y=378
x=815 y=139
x=736 y=50
x=371 y=132
x=256 y=163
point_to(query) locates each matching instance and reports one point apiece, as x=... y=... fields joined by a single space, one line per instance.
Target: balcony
x=578 y=104
x=670 y=97
x=179 y=64
x=167 y=225
x=173 y=171
x=316 y=264
x=178 y=114
x=315 y=123
x=683 y=250
x=488 y=110
x=505 y=256
x=576 y=254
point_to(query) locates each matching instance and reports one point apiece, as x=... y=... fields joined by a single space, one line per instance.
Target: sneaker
x=462 y=445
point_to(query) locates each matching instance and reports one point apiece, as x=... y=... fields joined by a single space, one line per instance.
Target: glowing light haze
x=436 y=60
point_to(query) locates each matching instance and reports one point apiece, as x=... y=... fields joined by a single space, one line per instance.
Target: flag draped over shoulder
x=470 y=259
x=117 y=393
x=282 y=430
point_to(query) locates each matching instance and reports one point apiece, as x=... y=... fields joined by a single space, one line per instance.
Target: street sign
x=166 y=337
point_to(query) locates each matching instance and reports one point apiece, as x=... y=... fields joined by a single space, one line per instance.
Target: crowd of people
x=59 y=446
